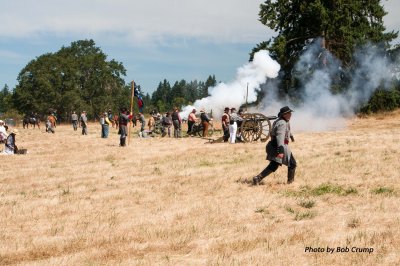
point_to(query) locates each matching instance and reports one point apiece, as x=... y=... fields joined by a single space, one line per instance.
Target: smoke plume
x=316 y=107
x=233 y=94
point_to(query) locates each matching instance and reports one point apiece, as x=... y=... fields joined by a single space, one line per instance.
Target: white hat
x=1 y=121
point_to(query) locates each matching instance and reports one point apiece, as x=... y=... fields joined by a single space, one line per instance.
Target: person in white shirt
x=233 y=125
x=3 y=132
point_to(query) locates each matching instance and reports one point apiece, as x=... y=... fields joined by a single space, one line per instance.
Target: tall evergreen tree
x=161 y=97
x=192 y=91
x=341 y=25
x=5 y=99
x=210 y=82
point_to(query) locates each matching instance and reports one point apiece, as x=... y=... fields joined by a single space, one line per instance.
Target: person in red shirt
x=225 y=124
x=191 y=120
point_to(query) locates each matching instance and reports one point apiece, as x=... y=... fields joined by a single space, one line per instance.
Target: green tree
x=5 y=99
x=179 y=102
x=74 y=78
x=192 y=91
x=210 y=82
x=341 y=25
x=161 y=97
x=179 y=90
x=182 y=93
x=382 y=100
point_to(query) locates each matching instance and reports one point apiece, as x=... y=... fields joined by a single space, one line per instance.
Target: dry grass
x=82 y=200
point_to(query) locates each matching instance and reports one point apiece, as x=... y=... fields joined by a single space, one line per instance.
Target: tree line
x=182 y=93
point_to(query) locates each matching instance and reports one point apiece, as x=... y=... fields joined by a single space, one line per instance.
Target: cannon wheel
x=255 y=127
x=250 y=129
x=265 y=130
x=158 y=127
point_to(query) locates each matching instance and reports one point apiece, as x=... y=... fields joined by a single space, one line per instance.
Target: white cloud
x=9 y=55
x=146 y=21
x=138 y=20
x=149 y=20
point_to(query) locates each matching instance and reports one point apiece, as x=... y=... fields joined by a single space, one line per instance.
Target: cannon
x=255 y=126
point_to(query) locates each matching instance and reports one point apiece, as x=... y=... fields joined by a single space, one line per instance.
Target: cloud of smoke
x=374 y=70
x=233 y=94
x=320 y=109
x=317 y=108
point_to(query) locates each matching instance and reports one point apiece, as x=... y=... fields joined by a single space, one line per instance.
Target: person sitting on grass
x=3 y=132
x=10 y=146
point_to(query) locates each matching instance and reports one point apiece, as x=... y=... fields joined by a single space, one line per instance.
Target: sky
x=153 y=39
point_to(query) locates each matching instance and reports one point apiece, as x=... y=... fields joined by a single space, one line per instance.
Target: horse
x=35 y=121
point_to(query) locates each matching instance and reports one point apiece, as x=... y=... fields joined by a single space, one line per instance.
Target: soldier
x=278 y=151
x=105 y=123
x=239 y=125
x=123 y=129
x=205 y=121
x=176 y=122
x=152 y=122
x=233 y=119
x=74 y=119
x=50 y=122
x=83 y=120
x=109 y=114
x=166 y=124
x=225 y=124
x=142 y=121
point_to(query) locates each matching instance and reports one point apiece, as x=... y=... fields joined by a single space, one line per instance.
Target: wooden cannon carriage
x=255 y=126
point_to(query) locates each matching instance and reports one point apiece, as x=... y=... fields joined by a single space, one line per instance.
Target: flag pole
x=131 y=110
x=247 y=94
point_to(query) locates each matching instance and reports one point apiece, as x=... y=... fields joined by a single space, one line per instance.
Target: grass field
x=83 y=200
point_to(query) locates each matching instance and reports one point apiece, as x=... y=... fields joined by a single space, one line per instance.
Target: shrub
x=382 y=100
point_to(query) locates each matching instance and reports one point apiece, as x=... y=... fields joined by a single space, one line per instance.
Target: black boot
x=122 y=142
x=290 y=175
x=257 y=179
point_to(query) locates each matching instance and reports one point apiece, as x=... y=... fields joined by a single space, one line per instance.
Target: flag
x=136 y=91
x=140 y=103
x=138 y=95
